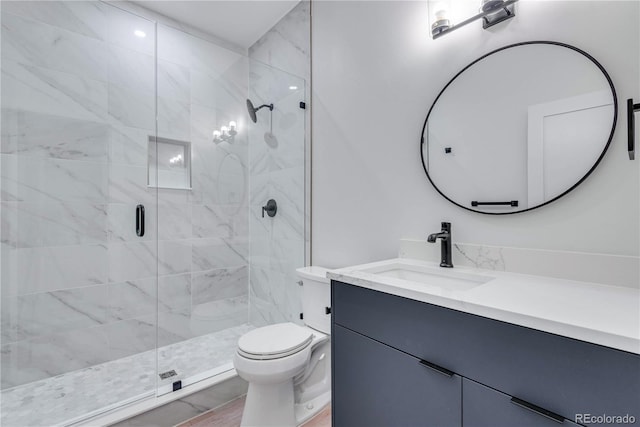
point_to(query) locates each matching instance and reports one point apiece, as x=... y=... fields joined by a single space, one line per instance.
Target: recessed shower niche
x=169 y=163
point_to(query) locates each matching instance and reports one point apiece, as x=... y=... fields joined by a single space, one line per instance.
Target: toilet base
x=269 y=405
x=307 y=410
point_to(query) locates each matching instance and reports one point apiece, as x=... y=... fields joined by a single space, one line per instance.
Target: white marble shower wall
x=79 y=287
x=279 y=74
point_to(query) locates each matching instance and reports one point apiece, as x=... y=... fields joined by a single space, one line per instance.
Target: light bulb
x=140 y=33
x=224 y=129
x=216 y=134
x=441 y=14
x=232 y=125
x=441 y=22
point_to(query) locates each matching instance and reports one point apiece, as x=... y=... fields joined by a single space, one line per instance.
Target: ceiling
x=241 y=22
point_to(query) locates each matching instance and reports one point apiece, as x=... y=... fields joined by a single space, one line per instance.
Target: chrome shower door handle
x=140 y=220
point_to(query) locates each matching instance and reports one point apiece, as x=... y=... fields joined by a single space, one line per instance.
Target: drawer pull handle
x=538 y=410
x=438 y=369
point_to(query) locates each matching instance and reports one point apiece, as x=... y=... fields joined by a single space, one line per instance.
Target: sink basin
x=432 y=276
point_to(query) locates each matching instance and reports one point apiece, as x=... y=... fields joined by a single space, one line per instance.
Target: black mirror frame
x=606 y=147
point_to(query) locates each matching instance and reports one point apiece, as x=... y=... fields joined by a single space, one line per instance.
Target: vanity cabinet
x=381 y=386
x=380 y=342
x=485 y=407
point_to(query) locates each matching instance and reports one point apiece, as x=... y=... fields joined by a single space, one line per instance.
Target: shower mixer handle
x=270 y=208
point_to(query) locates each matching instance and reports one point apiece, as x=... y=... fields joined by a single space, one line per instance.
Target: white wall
x=376 y=72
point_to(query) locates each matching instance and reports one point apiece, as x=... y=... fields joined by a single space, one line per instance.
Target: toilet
x=288 y=366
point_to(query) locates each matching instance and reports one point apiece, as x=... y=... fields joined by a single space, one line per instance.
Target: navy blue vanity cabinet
x=485 y=407
x=561 y=375
x=376 y=385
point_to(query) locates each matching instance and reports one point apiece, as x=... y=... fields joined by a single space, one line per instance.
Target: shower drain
x=168 y=374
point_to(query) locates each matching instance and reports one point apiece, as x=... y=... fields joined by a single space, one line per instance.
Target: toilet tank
x=316 y=298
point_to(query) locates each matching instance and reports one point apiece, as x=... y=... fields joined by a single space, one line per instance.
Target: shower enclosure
x=134 y=252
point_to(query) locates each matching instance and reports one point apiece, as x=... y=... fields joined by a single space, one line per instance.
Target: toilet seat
x=274 y=341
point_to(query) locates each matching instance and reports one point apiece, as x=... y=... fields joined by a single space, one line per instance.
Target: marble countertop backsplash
x=615 y=270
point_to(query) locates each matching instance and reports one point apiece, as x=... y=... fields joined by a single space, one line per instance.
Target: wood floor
x=230 y=415
x=322 y=419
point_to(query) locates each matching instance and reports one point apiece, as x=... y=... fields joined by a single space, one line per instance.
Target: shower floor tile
x=66 y=398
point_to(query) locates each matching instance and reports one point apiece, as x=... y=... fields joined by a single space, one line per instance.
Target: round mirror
x=519 y=127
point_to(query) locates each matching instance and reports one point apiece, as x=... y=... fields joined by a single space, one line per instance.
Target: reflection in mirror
x=519 y=127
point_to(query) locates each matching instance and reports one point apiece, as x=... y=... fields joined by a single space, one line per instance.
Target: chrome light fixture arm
x=501 y=11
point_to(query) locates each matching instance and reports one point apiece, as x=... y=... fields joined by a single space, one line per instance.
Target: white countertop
x=592 y=312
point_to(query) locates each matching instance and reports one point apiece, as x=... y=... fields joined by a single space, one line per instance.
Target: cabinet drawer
x=564 y=375
x=485 y=407
x=376 y=385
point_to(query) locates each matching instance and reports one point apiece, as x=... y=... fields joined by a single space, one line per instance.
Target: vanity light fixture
x=226 y=133
x=441 y=23
x=491 y=12
x=140 y=33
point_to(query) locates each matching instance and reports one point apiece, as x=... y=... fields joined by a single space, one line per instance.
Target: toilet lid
x=274 y=341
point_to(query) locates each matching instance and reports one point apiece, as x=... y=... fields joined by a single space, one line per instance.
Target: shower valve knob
x=270 y=208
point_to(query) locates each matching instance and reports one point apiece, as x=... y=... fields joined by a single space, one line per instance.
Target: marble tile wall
x=78 y=105
x=62 y=97
x=279 y=74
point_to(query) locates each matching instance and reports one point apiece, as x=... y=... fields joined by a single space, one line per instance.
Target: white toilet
x=288 y=366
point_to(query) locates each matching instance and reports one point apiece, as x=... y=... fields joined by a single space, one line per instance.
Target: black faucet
x=445 y=244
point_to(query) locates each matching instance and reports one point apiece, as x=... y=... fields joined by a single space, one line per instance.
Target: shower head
x=252 y=110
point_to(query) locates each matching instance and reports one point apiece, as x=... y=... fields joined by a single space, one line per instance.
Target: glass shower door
x=79 y=278
x=203 y=215
x=216 y=168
